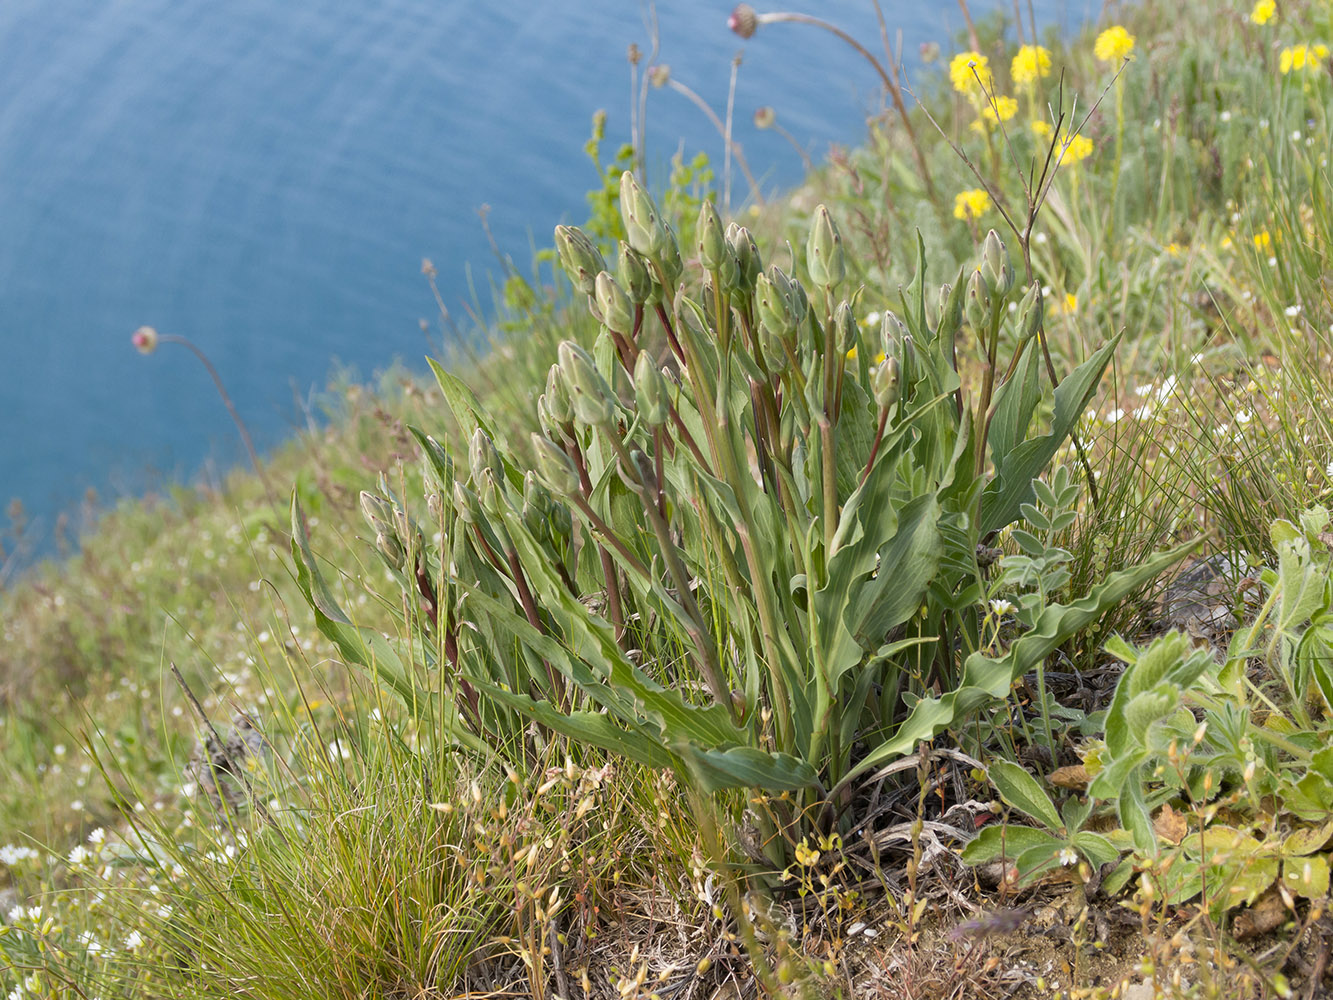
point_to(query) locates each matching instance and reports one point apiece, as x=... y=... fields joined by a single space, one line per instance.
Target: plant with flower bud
x=750 y=548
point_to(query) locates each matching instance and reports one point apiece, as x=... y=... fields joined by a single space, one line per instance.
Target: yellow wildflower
x=1030 y=64
x=1262 y=240
x=1077 y=149
x=971 y=204
x=1302 y=57
x=1001 y=109
x=1264 y=11
x=1113 y=44
x=1041 y=128
x=804 y=856
x=966 y=69
x=1071 y=302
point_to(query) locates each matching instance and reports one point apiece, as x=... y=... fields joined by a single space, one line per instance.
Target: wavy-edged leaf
x=986 y=679
x=1014 y=472
x=745 y=767
x=1023 y=792
x=1005 y=840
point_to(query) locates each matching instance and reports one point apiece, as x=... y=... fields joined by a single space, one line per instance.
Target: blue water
x=265 y=177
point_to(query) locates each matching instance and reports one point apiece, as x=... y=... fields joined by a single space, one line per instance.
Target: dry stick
x=1024 y=234
x=726 y=144
x=730 y=144
x=890 y=83
x=655 y=48
x=972 y=35
x=171 y=338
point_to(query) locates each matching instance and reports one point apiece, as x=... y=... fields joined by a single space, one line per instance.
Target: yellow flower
x=1113 y=44
x=1041 y=128
x=804 y=856
x=1001 y=109
x=1262 y=240
x=972 y=204
x=1264 y=11
x=1071 y=302
x=966 y=69
x=1302 y=57
x=1077 y=149
x=1031 y=64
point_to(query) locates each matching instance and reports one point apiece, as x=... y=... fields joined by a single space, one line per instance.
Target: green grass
x=375 y=860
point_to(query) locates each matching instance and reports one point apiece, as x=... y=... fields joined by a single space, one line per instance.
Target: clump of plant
x=752 y=549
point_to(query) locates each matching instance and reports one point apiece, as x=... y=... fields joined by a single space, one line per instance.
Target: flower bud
x=844 y=328
x=670 y=260
x=774 y=301
x=659 y=75
x=592 y=399
x=556 y=468
x=633 y=275
x=558 y=404
x=581 y=260
x=377 y=511
x=144 y=340
x=765 y=117
x=996 y=266
x=1030 y=313
x=482 y=455
x=884 y=382
x=467 y=504
x=775 y=355
x=613 y=305
x=712 y=238
x=650 y=391
x=391 y=549
x=951 y=308
x=978 y=304
x=823 y=251
x=645 y=229
x=747 y=256
x=437 y=469
x=892 y=332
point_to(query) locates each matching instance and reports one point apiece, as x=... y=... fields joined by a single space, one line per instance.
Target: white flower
x=16 y=914
x=999 y=606
x=79 y=855
x=134 y=941
x=338 y=750
x=1292 y=311
x=1225 y=116
x=1328 y=470
x=97 y=836
x=11 y=854
x=1067 y=857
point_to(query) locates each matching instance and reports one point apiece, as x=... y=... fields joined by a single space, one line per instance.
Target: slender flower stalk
x=745 y=21
x=146 y=339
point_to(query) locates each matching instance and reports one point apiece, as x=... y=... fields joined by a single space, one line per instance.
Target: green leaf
x=465 y=406
x=1021 y=790
x=595 y=728
x=1096 y=848
x=1005 y=840
x=1015 y=402
x=986 y=680
x=745 y=767
x=1015 y=471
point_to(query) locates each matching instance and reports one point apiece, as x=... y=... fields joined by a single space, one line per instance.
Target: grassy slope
x=1212 y=184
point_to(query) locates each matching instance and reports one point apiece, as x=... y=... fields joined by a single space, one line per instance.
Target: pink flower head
x=144 y=339
x=743 y=20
